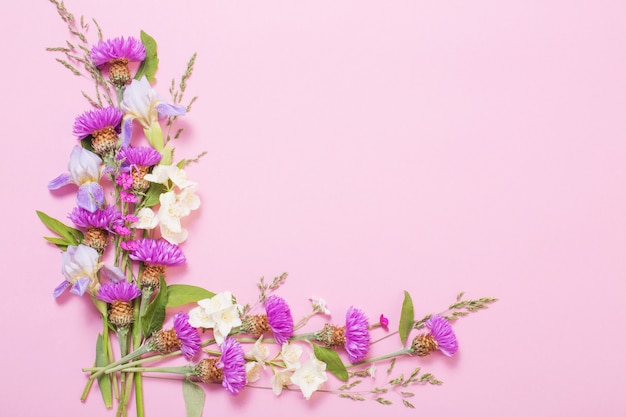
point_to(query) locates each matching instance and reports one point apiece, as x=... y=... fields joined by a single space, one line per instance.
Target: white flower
x=372 y=371
x=310 y=376
x=260 y=352
x=319 y=305
x=146 y=219
x=161 y=174
x=219 y=313
x=280 y=379
x=291 y=354
x=253 y=371
x=173 y=208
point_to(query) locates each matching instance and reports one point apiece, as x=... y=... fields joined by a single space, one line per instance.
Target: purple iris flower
x=85 y=169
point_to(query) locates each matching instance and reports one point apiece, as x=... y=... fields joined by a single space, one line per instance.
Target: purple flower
x=443 y=334
x=357 y=336
x=95 y=120
x=139 y=156
x=85 y=169
x=118 y=48
x=128 y=197
x=233 y=366
x=279 y=318
x=118 y=291
x=107 y=218
x=125 y=180
x=157 y=252
x=384 y=322
x=188 y=336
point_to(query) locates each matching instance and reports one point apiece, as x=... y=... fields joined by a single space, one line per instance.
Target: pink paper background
x=367 y=148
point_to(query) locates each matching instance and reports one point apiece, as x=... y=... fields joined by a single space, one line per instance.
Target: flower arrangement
x=132 y=200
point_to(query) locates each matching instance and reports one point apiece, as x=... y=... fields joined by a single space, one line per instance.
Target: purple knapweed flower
x=118 y=291
x=106 y=218
x=357 y=335
x=85 y=169
x=103 y=125
x=157 y=252
x=119 y=295
x=138 y=156
x=138 y=160
x=156 y=256
x=118 y=52
x=233 y=366
x=279 y=318
x=188 y=336
x=443 y=335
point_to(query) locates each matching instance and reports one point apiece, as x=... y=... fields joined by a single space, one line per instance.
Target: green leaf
x=150 y=64
x=104 y=380
x=194 y=398
x=406 y=318
x=152 y=195
x=181 y=294
x=61 y=243
x=332 y=361
x=155 y=314
x=71 y=235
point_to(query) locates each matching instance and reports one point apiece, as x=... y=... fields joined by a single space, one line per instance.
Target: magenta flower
x=118 y=291
x=279 y=318
x=157 y=252
x=107 y=218
x=384 y=322
x=233 y=366
x=139 y=156
x=443 y=334
x=188 y=336
x=118 y=52
x=357 y=335
x=93 y=121
x=125 y=180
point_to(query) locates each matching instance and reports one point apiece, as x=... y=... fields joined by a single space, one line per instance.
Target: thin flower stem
x=405 y=351
x=138 y=380
x=304 y=336
x=179 y=370
x=135 y=354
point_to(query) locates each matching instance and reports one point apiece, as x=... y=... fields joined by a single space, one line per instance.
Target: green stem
x=137 y=342
x=405 y=351
x=304 y=336
x=179 y=370
x=135 y=354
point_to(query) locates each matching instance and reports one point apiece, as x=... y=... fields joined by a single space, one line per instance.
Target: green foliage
x=334 y=365
x=104 y=380
x=406 y=318
x=155 y=314
x=150 y=64
x=194 y=398
x=181 y=294
x=68 y=235
x=152 y=195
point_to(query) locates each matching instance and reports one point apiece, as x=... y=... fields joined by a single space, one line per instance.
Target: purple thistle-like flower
x=118 y=48
x=279 y=318
x=118 y=291
x=233 y=366
x=357 y=335
x=444 y=335
x=139 y=156
x=98 y=119
x=107 y=218
x=188 y=336
x=157 y=252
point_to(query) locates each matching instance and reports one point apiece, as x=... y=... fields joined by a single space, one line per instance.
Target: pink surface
x=366 y=148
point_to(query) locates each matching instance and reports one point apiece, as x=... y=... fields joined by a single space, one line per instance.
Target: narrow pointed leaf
x=155 y=314
x=104 y=380
x=59 y=242
x=150 y=64
x=74 y=236
x=334 y=365
x=152 y=195
x=406 y=318
x=194 y=398
x=180 y=294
